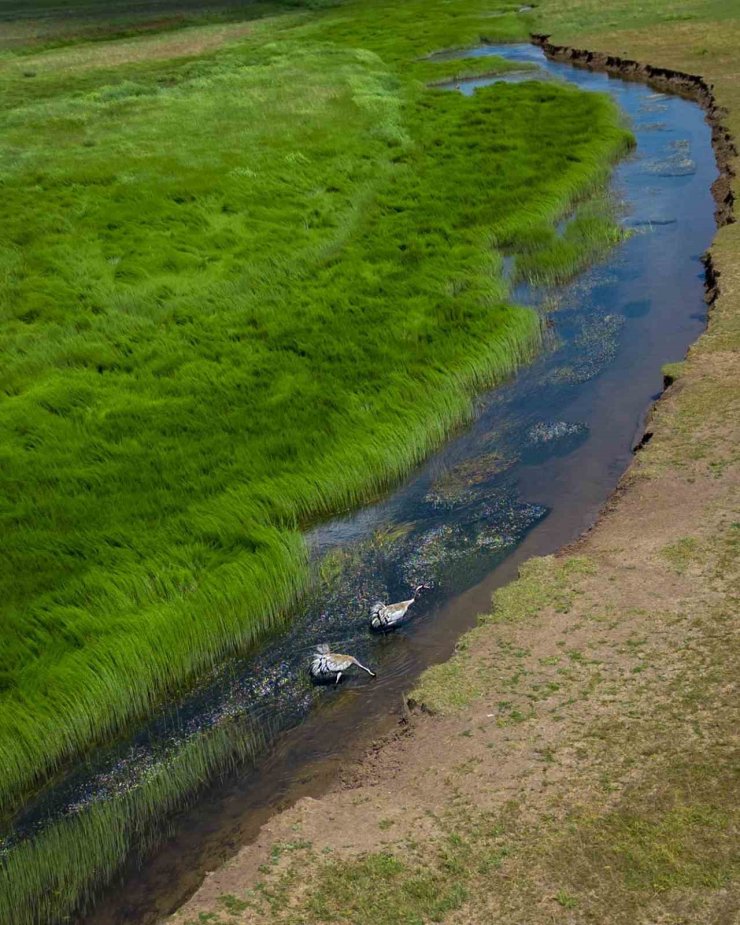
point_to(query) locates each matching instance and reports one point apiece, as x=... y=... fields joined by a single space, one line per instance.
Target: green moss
x=681 y=553
x=448 y=687
x=696 y=437
x=543 y=582
x=673 y=840
x=232 y=904
x=672 y=372
x=382 y=889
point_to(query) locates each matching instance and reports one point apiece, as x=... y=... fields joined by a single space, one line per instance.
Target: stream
x=529 y=474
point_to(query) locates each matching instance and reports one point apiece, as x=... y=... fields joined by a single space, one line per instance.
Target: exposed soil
x=183 y=43
x=594 y=715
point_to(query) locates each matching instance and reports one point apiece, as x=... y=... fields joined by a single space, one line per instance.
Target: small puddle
x=526 y=477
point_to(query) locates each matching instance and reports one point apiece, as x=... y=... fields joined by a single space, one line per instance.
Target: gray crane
x=327 y=667
x=386 y=617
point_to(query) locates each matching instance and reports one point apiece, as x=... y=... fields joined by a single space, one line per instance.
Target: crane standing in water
x=327 y=667
x=386 y=617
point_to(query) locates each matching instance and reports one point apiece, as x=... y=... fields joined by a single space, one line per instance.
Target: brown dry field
x=577 y=759
x=182 y=43
x=28 y=23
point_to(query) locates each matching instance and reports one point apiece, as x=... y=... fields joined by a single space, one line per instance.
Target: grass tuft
x=551 y=258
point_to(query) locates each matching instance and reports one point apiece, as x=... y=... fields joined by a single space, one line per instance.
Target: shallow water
x=527 y=476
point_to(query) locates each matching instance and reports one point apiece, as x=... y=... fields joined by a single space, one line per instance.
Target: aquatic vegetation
x=495 y=526
x=553 y=258
x=460 y=484
x=449 y=69
x=303 y=308
x=675 y=160
x=598 y=341
x=545 y=439
x=549 y=431
x=656 y=102
x=52 y=875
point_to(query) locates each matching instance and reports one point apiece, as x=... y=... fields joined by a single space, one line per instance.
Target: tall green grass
x=55 y=874
x=588 y=235
x=239 y=292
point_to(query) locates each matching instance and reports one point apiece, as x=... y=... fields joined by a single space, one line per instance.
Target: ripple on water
x=656 y=102
x=638 y=308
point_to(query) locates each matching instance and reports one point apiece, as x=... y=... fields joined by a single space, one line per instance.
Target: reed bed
x=238 y=292
x=588 y=235
x=55 y=875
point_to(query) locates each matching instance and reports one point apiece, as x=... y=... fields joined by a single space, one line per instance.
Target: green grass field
x=250 y=273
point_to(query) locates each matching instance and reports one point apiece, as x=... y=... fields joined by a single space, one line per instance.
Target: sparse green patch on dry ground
x=579 y=757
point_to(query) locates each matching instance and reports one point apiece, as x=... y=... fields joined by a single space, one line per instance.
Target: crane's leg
x=339 y=675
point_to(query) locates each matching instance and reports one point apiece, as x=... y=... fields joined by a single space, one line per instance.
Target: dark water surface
x=527 y=476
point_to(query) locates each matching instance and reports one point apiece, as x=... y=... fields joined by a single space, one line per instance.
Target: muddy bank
x=691 y=86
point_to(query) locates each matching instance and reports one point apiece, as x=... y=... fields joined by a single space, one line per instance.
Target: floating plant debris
x=459 y=485
x=548 y=431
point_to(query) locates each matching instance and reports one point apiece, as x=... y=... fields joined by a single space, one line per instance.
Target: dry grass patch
x=183 y=43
